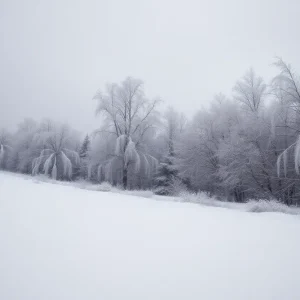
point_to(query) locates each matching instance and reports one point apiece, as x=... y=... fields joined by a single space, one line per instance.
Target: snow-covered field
x=61 y=242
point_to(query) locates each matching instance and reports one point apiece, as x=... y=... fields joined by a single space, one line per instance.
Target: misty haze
x=149 y=149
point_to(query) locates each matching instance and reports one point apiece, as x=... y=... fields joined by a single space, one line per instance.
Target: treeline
x=243 y=147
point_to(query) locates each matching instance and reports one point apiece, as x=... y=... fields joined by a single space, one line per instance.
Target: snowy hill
x=61 y=242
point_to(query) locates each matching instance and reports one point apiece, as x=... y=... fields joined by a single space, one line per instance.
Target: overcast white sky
x=55 y=54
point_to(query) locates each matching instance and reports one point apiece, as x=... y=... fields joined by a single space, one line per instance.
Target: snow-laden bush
x=178 y=187
x=271 y=206
x=205 y=199
x=104 y=187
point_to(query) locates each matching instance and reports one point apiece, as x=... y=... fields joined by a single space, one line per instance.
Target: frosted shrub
x=104 y=187
x=271 y=206
x=178 y=187
x=205 y=199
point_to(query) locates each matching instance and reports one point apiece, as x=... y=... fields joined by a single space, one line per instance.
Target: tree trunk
x=125 y=178
x=125 y=166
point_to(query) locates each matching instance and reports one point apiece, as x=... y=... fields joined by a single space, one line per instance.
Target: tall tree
x=128 y=116
x=286 y=88
x=167 y=176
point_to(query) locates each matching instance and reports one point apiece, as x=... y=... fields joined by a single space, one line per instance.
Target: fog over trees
x=244 y=146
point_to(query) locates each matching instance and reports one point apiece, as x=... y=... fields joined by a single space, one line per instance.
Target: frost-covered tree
x=199 y=145
x=250 y=91
x=57 y=151
x=167 y=175
x=286 y=89
x=85 y=148
x=25 y=148
x=287 y=84
x=84 y=154
x=128 y=116
x=5 y=148
x=246 y=158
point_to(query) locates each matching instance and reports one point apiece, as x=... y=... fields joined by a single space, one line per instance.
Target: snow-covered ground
x=61 y=242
